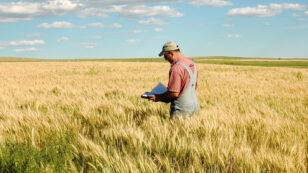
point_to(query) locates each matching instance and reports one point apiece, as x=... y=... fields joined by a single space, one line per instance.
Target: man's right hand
x=152 y=98
x=166 y=97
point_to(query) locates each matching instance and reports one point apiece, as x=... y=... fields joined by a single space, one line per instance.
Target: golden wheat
x=251 y=119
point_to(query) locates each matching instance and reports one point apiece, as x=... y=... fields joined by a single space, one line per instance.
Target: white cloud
x=306 y=13
x=26 y=43
x=301 y=20
x=25 y=10
x=88 y=45
x=132 y=41
x=57 y=24
x=102 y=3
x=139 y=31
x=267 y=23
x=12 y=19
x=33 y=35
x=101 y=25
x=92 y=12
x=228 y=25
x=63 y=39
x=215 y=3
x=158 y=30
x=66 y=5
x=63 y=24
x=26 y=50
x=264 y=10
x=259 y=11
x=19 y=8
x=152 y=21
x=234 y=36
x=115 y=25
x=96 y=25
x=287 y=6
x=144 y=11
x=28 y=10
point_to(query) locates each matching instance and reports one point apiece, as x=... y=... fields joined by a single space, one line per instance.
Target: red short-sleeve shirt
x=179 y=76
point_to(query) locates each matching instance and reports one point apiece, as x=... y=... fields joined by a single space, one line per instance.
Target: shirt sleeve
x=175 y=82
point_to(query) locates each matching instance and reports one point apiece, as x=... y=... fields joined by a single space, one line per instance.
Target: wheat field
x=89 y=117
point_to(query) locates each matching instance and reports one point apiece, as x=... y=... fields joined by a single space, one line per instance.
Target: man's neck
x=176 y=57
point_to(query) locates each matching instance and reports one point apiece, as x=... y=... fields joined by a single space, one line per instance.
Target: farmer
x=182 y=83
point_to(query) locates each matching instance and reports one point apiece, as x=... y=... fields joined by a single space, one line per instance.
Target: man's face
x=168 y=56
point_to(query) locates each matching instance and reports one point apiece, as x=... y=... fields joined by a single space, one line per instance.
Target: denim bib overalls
x=187 y=103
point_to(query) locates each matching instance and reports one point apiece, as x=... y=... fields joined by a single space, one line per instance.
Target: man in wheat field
x=182 y=83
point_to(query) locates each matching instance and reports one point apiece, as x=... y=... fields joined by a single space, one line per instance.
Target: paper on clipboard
x=158 y=89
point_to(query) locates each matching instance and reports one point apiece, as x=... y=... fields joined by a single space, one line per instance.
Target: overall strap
x=191 y=74
x=195 y=71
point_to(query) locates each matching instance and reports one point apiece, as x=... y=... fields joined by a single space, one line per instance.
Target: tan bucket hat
x=169 y=46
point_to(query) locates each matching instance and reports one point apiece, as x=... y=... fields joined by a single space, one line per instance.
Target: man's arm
x=166 y=97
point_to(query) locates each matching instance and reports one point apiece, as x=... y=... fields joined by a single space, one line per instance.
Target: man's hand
x=152 y=98
x=166 y=97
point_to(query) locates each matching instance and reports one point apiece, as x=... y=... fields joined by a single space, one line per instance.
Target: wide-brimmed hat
x=169 y=46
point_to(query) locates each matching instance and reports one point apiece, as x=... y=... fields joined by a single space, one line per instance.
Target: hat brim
x=161 y=53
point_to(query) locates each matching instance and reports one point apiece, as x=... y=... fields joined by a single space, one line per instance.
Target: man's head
x=170 y=51
x=169 y=46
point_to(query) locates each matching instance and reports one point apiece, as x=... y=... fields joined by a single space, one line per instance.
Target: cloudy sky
x=138 y=28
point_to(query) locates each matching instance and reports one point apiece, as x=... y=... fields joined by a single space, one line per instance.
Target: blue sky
x=57 y=29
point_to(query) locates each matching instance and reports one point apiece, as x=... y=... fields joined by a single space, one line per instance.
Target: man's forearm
x=166 y=97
